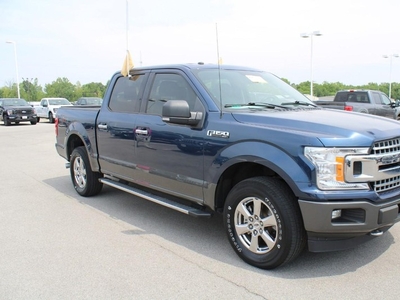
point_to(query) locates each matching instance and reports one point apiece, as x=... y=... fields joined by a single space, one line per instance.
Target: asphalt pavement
x=55 y=244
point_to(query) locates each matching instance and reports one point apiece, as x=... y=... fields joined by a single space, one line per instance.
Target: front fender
x=76 y=135
x=291 y=167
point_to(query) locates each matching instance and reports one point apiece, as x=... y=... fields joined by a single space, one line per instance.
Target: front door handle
x=102 y=126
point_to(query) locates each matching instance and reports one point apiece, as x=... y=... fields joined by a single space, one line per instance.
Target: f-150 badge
x=217 y=133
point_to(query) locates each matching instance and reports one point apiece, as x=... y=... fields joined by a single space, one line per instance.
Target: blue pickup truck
x=203 y=139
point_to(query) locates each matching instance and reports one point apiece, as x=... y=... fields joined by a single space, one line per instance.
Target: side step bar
x=157 y=199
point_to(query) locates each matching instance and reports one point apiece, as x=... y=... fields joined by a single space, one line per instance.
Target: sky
x=86 y=40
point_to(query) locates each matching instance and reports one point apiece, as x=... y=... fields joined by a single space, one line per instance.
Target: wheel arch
x=277 y=163
x=78 y=136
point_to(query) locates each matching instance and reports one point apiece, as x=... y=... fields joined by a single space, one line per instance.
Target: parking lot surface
x=55 y=244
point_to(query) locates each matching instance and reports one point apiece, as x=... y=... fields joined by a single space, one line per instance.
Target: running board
x=157 y=199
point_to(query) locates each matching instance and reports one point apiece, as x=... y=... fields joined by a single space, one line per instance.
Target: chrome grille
x=387 y=184
x=383 y=148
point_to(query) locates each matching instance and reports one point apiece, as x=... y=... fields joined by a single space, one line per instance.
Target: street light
x=390 y=74
x=16 y=64
x=310 y=35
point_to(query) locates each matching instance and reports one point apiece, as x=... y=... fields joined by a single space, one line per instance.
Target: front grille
x=24 y=112
x=387 y=184
x=386 y=148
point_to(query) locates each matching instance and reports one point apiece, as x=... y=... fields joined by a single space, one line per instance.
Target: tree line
x=30 y=89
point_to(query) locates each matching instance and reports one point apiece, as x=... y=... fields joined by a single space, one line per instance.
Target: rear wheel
x=263 y=222
x=33 y=122
x=37 y=119
x=85 y=181
x=51 y=118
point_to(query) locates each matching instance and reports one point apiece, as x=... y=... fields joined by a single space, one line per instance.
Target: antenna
x=219 y=71
x=127 y=39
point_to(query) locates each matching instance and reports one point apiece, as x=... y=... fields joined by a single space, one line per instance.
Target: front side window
x=169 y=87
x=385 y=99
x=125 y=95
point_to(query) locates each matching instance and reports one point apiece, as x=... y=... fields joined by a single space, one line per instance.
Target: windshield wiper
x=263 y=104
x=299 y=103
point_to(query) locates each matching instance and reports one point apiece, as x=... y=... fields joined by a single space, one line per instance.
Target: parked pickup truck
x=15 y=110
x=47 y=108
x=363 y=101
x=203 y=139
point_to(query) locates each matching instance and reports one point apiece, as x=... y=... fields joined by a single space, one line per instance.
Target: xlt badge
x=217 y=133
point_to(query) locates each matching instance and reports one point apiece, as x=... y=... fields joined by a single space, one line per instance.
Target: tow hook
x=376 y=232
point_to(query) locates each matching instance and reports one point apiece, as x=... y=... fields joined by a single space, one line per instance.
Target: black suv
x=16 y=110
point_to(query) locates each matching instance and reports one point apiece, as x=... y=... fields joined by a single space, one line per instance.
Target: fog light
x=337 y=213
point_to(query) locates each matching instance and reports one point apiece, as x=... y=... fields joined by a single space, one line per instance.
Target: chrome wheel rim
x=80 y=172
x=256 y=225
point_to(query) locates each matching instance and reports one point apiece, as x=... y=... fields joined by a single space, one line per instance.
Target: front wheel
x=85 y=181
x=263 y=222
x=6 y=121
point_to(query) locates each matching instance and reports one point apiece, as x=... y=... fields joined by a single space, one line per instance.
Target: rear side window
x=125 y=95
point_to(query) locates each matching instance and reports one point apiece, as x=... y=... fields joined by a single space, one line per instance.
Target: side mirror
x=178 y=112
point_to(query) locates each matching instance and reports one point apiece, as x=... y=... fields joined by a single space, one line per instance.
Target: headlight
x=329 y=166
x=54 y=109
x=10 y=112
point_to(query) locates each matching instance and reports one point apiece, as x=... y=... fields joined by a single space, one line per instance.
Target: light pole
x=390 y=72
x=310 y=35
x=16 y=63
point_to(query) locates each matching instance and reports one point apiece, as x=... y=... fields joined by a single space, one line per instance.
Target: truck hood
x=333 y=128
x=20 y=107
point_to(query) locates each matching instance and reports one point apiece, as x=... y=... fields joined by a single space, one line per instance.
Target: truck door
x=170 y=156
x=115 y=127
x=43 y=108
x=383 y=105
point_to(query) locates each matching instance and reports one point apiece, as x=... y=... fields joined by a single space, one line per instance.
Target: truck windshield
x=15 y=102
x=59 y=102
x=237 y=88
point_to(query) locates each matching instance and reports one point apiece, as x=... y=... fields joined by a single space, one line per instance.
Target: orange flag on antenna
x=128 y=64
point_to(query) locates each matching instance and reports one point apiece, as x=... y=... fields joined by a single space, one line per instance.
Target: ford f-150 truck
x=363 y=101
x=205 y=139
x=47 y=108
x=16 y=110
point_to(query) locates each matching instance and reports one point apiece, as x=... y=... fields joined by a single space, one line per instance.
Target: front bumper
x=359 y=221
x=22 y=118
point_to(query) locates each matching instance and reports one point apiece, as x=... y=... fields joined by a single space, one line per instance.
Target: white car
x=48 y=108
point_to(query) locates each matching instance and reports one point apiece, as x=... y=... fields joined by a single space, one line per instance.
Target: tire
x=51 y=118
x=33 y=122
x=263 y=222
x=85 y=181
x=37 y=119
x=6 y=121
